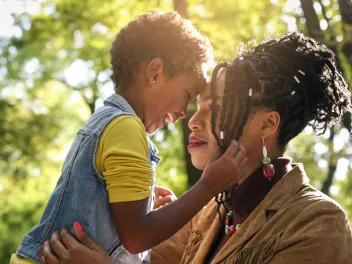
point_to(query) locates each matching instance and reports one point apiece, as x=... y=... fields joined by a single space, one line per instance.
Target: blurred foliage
x=56 y=72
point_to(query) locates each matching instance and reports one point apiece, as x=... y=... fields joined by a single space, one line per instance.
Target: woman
x=265 y=97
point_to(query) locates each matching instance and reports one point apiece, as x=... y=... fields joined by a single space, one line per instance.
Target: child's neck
x=134 y=98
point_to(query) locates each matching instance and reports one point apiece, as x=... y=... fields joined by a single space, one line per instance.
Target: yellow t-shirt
x=122 y=158
x=17 y=259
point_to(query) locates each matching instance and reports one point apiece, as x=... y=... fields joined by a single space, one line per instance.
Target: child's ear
x=154 y=70
x=271 y=123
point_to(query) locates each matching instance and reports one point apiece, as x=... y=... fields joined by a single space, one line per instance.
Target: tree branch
x=312 y=21
x=181 y=7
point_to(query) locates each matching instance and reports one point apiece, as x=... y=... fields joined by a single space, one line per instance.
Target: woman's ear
x=271 y=123
x=154 y=71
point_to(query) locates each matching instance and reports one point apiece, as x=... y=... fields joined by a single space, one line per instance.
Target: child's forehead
x=205 y=95
x=206 y=92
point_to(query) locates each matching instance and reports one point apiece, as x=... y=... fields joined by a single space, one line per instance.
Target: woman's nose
x=195 y=123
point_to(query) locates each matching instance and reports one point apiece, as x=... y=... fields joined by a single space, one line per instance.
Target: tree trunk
x=181 y=7
x=313 y=28
x=312 y=21
x=192 y=173
x=346 y=17
x=332 y=164
x=346 y=11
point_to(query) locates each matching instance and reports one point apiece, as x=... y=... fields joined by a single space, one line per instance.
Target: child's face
x=170 y=100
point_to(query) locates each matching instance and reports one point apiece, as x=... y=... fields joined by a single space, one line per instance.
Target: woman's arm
x=322 y=234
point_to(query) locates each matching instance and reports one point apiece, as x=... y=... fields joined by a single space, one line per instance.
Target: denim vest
x=81 y=195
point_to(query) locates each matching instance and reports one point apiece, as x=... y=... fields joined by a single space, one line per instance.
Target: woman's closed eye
x=211 y=107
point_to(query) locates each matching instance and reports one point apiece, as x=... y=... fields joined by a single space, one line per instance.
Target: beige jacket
x=295 y=223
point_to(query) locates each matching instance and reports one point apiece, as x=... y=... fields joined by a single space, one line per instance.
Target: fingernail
x=43 y=259
x=45 y=242
x=79 y=226
x=233 y=141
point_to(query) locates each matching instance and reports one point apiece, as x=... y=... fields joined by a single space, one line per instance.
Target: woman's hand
x=163 y=196
x=63 y=248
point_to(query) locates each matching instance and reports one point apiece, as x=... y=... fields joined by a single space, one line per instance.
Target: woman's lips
x=195 y=143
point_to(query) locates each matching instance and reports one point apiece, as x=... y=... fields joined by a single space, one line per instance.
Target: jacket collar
x=118 y=101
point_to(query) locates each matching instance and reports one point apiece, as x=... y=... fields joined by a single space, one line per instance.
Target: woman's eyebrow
x=209 y=97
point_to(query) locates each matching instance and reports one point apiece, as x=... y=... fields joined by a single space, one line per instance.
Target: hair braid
x=214 y=108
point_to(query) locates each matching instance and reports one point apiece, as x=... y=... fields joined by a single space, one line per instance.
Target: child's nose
x=172 y=117
x=183 y=114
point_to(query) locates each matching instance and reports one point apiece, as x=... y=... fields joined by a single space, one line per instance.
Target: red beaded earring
x=268 y=168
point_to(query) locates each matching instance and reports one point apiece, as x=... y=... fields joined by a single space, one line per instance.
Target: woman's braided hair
x=293 y=75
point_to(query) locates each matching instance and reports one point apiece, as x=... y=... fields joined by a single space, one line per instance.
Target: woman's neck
x=242 y=199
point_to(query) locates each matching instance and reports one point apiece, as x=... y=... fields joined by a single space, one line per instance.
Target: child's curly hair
x=162 y=35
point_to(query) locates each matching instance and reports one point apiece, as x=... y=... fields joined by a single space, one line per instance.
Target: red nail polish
x=79 y=226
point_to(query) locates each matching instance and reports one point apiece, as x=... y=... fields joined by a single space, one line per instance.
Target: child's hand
x=163 y=196
x=225 y=171
x=65 y=249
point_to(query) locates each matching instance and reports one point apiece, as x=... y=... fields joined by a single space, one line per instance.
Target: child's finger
x=232 y=149
x=215 y=156
x=239 y=155
x=243 y=163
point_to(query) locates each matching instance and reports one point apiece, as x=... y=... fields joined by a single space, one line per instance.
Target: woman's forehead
x=220 y=84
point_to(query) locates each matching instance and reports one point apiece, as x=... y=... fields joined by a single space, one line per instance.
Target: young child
x=108 y=176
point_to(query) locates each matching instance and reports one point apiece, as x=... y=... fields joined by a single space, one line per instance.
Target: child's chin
x=151 y=130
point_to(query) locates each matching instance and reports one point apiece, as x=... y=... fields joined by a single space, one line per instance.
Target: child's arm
x=122 y=157
x=140 y=230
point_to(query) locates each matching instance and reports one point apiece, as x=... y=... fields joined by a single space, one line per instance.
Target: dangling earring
x=268 y=168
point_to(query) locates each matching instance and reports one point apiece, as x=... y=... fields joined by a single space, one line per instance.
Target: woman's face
x=202 y=144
